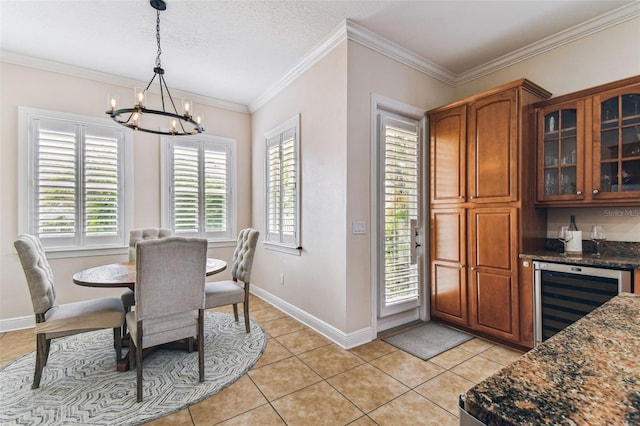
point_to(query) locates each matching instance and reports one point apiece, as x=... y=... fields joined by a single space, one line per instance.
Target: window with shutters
x=73 y=180
x=198 y=194
x=283 y=186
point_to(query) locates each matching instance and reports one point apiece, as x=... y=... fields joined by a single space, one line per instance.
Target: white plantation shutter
x=55 y=180
x=401 y=208
x=282 y=184
x=216 y=189
x=199 y=188
x=101 y=186
x=72 y=177
x=186 y=190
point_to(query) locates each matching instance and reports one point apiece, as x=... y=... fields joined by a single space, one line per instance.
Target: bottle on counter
x=574 y=245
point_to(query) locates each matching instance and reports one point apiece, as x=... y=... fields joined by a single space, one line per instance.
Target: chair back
x=243 y=255
x=136 y=235
x=37 y=271
x=170 y=276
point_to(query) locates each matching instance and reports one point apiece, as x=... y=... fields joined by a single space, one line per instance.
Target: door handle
x=414 y=244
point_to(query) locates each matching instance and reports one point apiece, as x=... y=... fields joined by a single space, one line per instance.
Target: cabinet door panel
x=448 y=235
x=493 y=271
x=616 y=144
x=448 y=138
x=493 y=148
x=495 y=304
x=449 y=293
x=494 y=235
x=561 y=152
x=448 y=272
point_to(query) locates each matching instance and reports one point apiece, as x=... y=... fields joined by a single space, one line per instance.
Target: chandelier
x=180 y=124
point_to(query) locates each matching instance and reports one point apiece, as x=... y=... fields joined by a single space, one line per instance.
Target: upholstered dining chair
x=230 y=292
x=136 y=235
x=53 y=320
x=169 y=297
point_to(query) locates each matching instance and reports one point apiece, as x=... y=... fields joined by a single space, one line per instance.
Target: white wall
x=597 y=59
x=313 y=281
x=371 y=73
x=24 y=86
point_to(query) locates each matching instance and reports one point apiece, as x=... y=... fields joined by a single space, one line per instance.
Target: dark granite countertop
x=587 y=259
x=587 y=374
x=615 y=254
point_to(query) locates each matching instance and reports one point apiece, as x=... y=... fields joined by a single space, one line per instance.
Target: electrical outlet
x=281 y=279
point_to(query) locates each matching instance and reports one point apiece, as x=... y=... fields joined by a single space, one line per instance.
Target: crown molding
x=319 y=51
x=373 y=41
x=102 y=77
x=585 y=29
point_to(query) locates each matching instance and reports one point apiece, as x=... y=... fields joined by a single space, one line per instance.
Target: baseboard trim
x=340 y=338
x=17 y=323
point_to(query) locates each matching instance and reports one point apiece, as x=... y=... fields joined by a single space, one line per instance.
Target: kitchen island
x=587 y=374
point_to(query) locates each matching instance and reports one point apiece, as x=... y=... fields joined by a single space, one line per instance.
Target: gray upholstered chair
x=136 y=235
x=169 y=295
x=221 y=293
x=53 y=320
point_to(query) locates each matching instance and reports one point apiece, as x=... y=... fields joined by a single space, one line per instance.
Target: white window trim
x=294 y=247
x=26 y=170
x=166 y=213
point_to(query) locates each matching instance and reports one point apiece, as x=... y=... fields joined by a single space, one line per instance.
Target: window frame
x=203 y=141
x=80 y=244
x=270 y=242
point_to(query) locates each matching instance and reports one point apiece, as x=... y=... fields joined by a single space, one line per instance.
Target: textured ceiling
x=235 y=51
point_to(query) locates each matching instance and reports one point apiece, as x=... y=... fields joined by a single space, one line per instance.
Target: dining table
x=123 y=275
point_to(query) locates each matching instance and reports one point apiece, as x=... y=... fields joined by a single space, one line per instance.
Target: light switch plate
x=358 y=227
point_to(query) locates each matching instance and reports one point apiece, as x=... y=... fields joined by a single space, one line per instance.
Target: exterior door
x=399 y=287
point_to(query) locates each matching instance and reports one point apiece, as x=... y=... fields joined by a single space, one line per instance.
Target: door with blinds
x=399 y=195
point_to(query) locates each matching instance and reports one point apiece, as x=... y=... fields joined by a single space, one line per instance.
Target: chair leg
x=48 y=348
x=201 y=343
x=42 y=354
x=235 y=311
x=117 y=343
x=139 y=363
x=246 y=316
x=127 y=309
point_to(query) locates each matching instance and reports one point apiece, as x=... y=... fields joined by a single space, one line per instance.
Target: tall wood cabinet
x=589 y=146
x=482 y=207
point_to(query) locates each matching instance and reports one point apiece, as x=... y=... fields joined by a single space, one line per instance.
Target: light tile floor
x=304 y=379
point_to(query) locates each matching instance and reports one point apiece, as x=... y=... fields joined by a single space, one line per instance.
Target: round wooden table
x=123 y=274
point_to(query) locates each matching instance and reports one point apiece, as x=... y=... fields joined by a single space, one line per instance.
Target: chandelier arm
x=139 y=109
x=168 y=94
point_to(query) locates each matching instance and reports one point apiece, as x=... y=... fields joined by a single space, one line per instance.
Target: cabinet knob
x=578 y=192
x=471 y=197
x=596 y=191
x=473 y=268
x=461 y=266
x=461 y=197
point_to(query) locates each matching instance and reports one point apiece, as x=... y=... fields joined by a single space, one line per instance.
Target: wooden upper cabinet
x=493 y=149
x=589 y=146
x=447 y=134
x=561 y=152
x=616 y=144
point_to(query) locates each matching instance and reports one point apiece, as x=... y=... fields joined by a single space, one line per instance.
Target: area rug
x=81 y=386
x=428 y=340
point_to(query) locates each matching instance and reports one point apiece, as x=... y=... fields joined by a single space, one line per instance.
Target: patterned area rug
x=80 y=384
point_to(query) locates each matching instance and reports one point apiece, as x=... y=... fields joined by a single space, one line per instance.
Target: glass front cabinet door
x=561 y=152
x=616 y=144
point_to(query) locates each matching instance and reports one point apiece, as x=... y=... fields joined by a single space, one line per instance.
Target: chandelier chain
x=158 y=40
